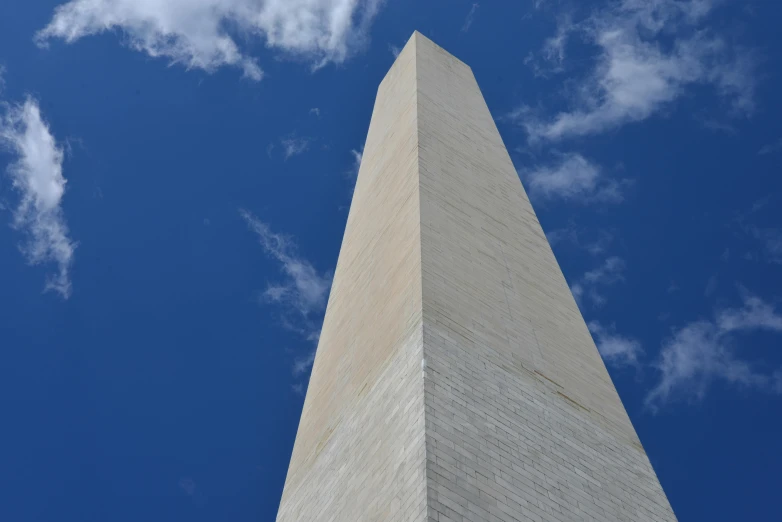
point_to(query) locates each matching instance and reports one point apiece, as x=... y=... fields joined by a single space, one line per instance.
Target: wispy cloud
x=718 y=126
x=395 y=50
x=302 y=364
x=771 y=148
x=650 y=52
x=551 y=58
x=470 y=18
x=771 y=239
x=37 y=175
x=573 y=178
x=301 y=294
x=595 y=242
x=315 y=111
x=610 y=272
x=188 y=486
x=201 y=33
x=617 y=350
x=357 y=156
x=304 y=289
x=703 y=352
x=293 y=146
x=768 y=237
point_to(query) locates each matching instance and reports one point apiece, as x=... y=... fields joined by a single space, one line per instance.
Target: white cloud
x=573 y=178
x=301 y=295
x=304 y=288
x=607 y=274
x=357 y=156
x=315 y=111
x=208 y=34
x=765 y=149
x=302 y=364
x=553 y=51
x=770 y=238
x=597 y=243
x=188 y=486
x=650 y=51
x=293 y=146
x=37 y=175
x=470 y=18
x=578 y=292
x=703 y=352
x=615 y=349
x=756 y=314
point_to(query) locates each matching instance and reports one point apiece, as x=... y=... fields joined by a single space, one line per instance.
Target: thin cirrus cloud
x=703 y=352
x=573 y=178
x=195 y=33
x=37 y=175
x=649 y=54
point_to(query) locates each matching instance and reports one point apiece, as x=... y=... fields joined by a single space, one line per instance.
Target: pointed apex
x=417 y=36
x=421 y=41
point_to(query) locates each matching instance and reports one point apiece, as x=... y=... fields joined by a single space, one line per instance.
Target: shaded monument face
x=455 y=378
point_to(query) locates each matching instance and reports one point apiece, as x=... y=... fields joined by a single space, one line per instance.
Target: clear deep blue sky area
x=175 y=177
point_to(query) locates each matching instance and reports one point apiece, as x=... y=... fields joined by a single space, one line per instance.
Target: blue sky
x=176 y=176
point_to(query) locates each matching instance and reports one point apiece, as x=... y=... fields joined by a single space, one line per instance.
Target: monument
x=455 y=379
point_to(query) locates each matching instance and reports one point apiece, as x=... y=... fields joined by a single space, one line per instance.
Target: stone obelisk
x=455 y=379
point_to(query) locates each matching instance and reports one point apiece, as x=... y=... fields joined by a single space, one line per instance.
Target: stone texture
x=455 y=379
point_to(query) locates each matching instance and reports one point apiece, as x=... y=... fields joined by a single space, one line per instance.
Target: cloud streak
x=37 y=175
x=470 y=18
x=204 y=34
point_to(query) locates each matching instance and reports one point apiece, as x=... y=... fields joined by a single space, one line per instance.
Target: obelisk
x=455 y=378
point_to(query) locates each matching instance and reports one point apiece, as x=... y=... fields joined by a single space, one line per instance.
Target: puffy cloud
x=207 y=34
x=37 y=175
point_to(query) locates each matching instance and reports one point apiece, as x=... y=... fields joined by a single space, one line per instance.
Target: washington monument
x=455 y=378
